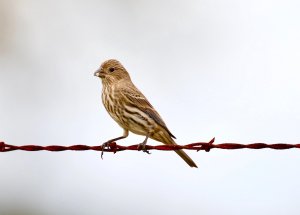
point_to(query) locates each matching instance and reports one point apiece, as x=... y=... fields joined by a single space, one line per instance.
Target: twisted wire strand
x=114 y=147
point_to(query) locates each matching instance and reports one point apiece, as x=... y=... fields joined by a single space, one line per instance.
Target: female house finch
x=130 y=108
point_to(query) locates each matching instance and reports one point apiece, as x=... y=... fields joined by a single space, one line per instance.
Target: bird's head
x=111 y=71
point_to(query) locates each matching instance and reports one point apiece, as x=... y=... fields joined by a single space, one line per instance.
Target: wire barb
x=114 y=147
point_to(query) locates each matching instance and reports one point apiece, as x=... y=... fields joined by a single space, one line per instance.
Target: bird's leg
x=106 y=144
x=143 y=145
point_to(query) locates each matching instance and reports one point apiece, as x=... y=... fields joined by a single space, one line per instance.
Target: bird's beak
x=99 y=74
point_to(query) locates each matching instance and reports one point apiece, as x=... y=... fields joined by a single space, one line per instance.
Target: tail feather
x=167 y=139
x=186 y=158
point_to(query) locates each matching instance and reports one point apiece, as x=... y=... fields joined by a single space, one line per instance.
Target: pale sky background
x=224 y=69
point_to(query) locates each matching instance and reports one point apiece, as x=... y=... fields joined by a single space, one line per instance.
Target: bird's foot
x=105 y=146
x=142 y=146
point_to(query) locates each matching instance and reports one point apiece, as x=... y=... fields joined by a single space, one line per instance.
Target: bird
x=127 y=105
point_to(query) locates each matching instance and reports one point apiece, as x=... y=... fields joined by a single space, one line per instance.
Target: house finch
x=130 y=108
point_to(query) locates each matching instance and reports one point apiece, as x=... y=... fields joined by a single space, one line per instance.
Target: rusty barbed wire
x=114 y=147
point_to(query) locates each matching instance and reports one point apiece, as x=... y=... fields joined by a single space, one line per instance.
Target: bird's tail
x=186 y=158
x=169 y=141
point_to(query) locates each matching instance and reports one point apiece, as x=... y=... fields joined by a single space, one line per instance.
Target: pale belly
x=129 y=118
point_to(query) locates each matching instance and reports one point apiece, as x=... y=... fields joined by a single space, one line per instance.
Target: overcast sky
x=224 y=69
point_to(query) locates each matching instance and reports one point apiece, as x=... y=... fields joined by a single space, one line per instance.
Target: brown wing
x=138 y=99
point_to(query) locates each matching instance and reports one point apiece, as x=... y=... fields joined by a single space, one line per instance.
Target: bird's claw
x=104 y=146
x=142 y=146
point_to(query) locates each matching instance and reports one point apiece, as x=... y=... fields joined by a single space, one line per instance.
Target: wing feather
x=136 y=98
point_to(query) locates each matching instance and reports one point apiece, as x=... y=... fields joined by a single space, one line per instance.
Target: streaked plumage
x=130 y=108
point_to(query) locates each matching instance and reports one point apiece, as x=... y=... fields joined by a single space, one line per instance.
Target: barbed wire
x=114 y=147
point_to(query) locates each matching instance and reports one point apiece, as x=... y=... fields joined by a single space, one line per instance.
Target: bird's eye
x=111 y=69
